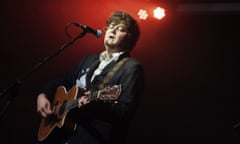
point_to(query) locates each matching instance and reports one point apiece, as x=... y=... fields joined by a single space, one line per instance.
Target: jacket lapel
x=90 y=73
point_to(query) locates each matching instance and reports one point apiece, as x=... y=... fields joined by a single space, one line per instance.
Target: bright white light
x=142 y=14
x=158 y=13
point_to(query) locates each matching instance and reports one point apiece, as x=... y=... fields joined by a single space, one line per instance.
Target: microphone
x=97 y=33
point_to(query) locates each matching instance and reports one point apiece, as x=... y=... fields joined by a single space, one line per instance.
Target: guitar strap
x=110 y=74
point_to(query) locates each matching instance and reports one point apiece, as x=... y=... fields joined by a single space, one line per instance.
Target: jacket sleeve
x=132 y=82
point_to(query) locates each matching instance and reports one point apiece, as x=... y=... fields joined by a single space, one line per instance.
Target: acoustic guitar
x=65 y=100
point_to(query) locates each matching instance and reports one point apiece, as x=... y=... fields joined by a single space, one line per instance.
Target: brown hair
x=130 y=23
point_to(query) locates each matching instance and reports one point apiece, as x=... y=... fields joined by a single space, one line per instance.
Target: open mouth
x=111 y=36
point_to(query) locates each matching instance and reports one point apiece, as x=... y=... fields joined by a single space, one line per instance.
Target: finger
x=49 y=109
x=80 y=103
x=87 y=93
x=43 y=114
x=86 y=100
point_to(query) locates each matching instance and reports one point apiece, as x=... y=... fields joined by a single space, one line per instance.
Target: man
x=101 y=121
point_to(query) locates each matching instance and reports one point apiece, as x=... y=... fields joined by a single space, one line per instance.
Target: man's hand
x=84 y=99
x=43 y=105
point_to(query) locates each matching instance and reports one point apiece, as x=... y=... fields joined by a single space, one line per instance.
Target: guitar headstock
x=109 y=93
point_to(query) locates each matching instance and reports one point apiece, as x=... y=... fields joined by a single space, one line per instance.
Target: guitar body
x=47 y=125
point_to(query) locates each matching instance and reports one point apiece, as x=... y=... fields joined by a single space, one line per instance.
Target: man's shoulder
x=133 y=64
x=133 y=61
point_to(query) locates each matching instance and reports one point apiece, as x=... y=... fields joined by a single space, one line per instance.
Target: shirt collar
x=114 y=56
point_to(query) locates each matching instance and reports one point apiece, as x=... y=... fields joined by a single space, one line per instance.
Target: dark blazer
x=102 y=122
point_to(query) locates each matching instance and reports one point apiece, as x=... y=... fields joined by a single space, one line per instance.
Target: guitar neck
x=105 y=94
x=75 y=102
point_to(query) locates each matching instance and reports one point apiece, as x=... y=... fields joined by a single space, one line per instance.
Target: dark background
x=191 y=61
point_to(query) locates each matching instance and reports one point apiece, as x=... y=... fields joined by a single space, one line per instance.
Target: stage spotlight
x=142 y=14
x=159 y=13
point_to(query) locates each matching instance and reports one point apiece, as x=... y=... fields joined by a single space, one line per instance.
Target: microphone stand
x=11 y=91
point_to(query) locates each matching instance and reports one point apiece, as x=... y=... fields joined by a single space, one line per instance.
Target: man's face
x=115 y=36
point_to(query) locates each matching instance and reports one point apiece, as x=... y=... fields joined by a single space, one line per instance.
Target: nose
x=113 y=29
